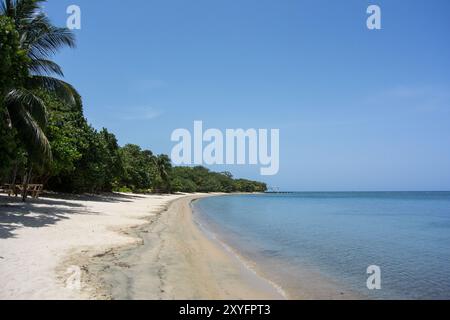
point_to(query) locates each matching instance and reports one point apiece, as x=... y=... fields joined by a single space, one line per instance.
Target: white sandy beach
x=116 y=240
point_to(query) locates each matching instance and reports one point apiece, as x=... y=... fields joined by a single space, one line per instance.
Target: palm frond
x=43 y=40
x=22 y=10
x=27 y=8
x=32 y=135
x=6 y=7
x=43 y=66
x=30 y=102
x=62 y=89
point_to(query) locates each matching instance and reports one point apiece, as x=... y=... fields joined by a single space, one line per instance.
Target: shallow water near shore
x=319 y=245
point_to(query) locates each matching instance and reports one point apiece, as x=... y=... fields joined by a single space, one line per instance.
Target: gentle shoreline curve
x=249 y=265
x=299 y=283
x=176 y=260
x=125 y=247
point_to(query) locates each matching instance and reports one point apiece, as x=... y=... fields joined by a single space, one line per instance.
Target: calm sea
x=320 y=244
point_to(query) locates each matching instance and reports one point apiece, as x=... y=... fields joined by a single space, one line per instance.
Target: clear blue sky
x=357 y=109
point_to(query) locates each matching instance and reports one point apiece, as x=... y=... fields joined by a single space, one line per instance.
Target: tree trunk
x=14 y=179
x=26 y=181
x=14 y=175
x=45 y=179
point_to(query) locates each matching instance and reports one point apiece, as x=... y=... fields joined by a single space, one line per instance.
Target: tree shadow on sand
x=34 y=214
x=51 y=208
x=104 y=197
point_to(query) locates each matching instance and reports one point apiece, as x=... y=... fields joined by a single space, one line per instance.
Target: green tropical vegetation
x=45 y=137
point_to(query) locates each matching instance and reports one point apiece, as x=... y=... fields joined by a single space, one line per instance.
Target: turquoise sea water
x=336 y=236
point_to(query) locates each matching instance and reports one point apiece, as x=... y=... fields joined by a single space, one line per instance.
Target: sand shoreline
x=125 y=247
x=176 y=260
x=38 y=239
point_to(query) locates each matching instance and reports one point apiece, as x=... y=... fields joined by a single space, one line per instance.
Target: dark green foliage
x=114 y=168
x=13 y=69
x=163 y=166
x=27 y=41
x=138 y=167
x=91 y=170
x=84 y=160
x=200 y=179
x=14 y=61
x=244 y=185
x=91 y=163
x=8 y=151
x=181 y=184
x=65 y=125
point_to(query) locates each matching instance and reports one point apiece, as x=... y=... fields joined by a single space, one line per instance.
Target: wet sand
x=176 y=260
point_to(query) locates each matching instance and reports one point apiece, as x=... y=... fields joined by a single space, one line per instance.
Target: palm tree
x=25 y=111
x=163 y=168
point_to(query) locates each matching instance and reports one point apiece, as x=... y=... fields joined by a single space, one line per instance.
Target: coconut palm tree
x=25 y=111
x=163 y=167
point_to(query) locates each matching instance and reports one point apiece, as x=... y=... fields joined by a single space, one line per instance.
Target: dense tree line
x=200 y=179
x=44 y=136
